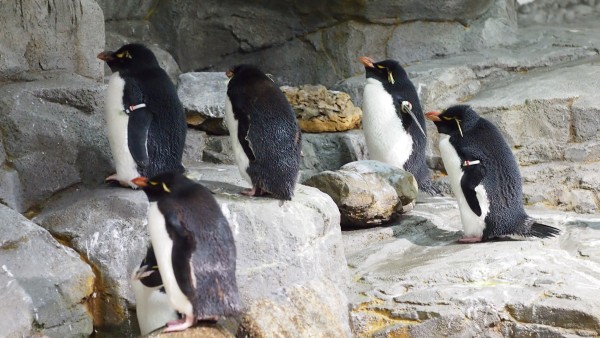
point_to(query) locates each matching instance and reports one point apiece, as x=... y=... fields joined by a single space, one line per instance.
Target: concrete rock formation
x=320 y=110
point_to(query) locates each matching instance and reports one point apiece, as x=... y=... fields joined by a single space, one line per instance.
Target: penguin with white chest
x=194 y=247
x=145 y=119
x=265 y=135
x=484 y=176
x=393 y=122
x=152 y=305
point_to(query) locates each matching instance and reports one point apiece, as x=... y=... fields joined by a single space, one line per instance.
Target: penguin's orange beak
x=366 y=61
x=433 y=116
x=105 y=56
x=141 y=181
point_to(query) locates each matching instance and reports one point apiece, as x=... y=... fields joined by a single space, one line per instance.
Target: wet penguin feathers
x=203 y=254
x=265 y=134
x=485 y=175
x=142 y=99
x=386 y=94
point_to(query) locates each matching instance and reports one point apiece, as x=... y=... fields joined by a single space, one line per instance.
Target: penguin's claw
x=180 y=324
x=474 y=239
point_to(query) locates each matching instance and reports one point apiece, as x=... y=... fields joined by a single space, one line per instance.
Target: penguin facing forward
x=194 y=247
x=393 y=122
x=484 y=176
x=152 y=305
x=265 y=135
x=145 y=119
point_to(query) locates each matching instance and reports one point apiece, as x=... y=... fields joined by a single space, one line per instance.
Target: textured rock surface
x=555 y=11
x=206 y=331
x=51 y=35
x=107 y=227
x=45 y=286
x=367 y=192
x=320 y=110
x=53 y=134
x=323 y=37
x=413 y=279
x=203 y=96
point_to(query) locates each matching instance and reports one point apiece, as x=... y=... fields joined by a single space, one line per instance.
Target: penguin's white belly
x=386 y=138
x=473 y=225
x=163 y=248
x=152 y=307
x=240 y=156
x=117 y=121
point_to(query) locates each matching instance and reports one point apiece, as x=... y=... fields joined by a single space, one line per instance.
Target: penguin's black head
x=148 y=273
x=163 y=184
x=245 y=71
x=130 y=58
x=388 y=72
x=454 y=120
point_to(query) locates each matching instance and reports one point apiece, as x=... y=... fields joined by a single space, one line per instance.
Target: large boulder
x=107 y=227
x=45 y=286
x=53 y=134
x=494 y=289
x=203 y=96
x=51 y=35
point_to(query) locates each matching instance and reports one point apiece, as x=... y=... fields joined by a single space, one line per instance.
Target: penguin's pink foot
x=125 y=184
x=474 y=239
x=180 y=324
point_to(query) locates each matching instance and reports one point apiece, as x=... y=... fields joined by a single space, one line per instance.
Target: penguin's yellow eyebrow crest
x=165 y=188
x=124 y=54
x=380 y=67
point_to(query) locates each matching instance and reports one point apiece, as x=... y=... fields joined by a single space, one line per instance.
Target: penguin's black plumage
x=153 y=309
x=485 y=177
x=265 y=135
x=194 y=247
x=145 y=118
x=393 y=121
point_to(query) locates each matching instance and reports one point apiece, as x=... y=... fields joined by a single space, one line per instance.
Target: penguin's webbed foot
x=125 y=184
x=473 y=239
x=180 y=324
x=254 y=192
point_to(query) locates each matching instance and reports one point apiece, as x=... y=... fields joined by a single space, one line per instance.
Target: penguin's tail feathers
x=542 y=230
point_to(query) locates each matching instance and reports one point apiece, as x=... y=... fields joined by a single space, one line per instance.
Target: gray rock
x=203 y=95
x=53 y=135
x=218 y=150
x=483 y=290
x=330 y=151
x=367 y=192
x=195 y=144
x=51 y=35
x=107 y=227
x=46 y=287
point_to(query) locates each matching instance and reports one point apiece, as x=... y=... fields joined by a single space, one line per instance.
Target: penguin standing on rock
x=484 y=176
x=145 y=118
x=152 y=305
x=265 y=135
x=194 y=247
x=393 y=121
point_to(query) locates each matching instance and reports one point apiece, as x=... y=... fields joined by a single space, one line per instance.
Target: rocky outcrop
x=53 y=137
x=45 y=286
x=367 y=192
x=320 y=110
x=203 y=96
x=531 y=12
x=494 y=289
x=323 y=37
x=48 y=35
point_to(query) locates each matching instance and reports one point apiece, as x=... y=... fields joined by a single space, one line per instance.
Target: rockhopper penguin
x=393 y=121
x=484 y=176
x=265 y=135
x=145 y=118
x=194 y=247
x=152 y=305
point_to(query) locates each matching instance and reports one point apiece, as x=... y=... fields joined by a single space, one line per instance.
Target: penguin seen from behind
x=194 y=248
x=393 y=122
x=145 y=119
x=152 y=305
x=485 y=177
x=265 y=135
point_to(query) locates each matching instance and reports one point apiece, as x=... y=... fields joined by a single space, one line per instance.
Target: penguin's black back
x=150 y=84
x=483 y=141
x=208 y=243
x=403 y=89
x=273 y=133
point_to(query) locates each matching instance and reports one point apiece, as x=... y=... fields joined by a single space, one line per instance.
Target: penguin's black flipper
x=472 y=176
x=137 y=135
